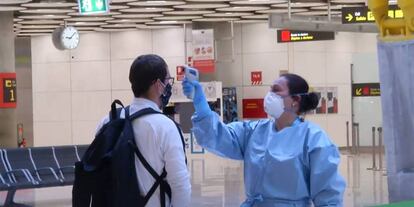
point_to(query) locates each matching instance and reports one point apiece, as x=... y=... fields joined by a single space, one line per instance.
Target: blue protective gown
x=292 y=167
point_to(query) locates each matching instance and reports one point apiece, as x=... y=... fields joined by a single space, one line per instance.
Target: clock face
x=70 y=38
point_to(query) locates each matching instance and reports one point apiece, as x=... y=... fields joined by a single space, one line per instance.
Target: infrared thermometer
x=192 y=75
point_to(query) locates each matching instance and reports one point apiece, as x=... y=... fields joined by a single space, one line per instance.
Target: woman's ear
x=296 y=102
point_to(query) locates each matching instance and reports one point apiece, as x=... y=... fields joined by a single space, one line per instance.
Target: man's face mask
x=166 y=95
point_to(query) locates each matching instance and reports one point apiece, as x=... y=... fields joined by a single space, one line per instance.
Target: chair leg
x=9 y=200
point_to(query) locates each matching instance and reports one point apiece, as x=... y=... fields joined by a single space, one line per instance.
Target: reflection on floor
x=218 y=182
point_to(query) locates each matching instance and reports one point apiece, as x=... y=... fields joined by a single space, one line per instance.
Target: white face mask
x=273 y=105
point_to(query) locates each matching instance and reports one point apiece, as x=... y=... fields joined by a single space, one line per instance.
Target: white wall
x=73 y=90
x=321 y=63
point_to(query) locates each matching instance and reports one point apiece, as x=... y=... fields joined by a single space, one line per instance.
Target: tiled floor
x=218 y=182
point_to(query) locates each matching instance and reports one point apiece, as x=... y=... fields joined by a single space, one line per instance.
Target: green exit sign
x=93 y=6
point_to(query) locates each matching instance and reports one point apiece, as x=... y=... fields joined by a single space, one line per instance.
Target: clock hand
x=72 y=35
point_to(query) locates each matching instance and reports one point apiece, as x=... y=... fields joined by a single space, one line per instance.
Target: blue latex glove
x=200 y=102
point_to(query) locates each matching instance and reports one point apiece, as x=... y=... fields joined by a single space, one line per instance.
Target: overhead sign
x=8 y=90
x=284 y=36
x=366 y=89
x=356 y=15
x=93 y=6
x=203 y=50
x=253 y=109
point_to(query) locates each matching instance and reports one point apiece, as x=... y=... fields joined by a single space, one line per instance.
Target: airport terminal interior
x=63 y=62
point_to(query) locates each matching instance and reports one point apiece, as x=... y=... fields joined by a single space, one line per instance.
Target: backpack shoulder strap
x=159 y=178
x=147 y=111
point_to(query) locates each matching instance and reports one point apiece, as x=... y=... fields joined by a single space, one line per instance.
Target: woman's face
x=280 y=87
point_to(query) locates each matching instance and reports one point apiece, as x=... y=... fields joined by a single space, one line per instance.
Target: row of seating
x=37 y=167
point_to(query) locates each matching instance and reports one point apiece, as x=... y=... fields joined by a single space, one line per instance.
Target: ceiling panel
x=157 y=14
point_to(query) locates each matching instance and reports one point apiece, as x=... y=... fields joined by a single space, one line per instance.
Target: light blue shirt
x=292 y=167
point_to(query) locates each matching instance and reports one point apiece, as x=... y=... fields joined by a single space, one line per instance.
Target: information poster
x=328 y=100
x=332 y=100
x=187 y=141
x=230 y=105
x=321 y=108
x=203 y=50
x=195 y=147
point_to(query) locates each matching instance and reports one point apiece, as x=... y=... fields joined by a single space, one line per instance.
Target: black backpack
x=106 y=175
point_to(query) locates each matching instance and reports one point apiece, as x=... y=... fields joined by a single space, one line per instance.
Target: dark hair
x=298 y=86
x=144 y=71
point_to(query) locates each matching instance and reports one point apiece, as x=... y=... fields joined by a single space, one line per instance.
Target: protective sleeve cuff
x=201 y=113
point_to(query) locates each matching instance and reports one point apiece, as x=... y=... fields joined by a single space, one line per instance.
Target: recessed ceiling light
x=121 y=1
x=50 y=4
x=89 y=19
x=157 y=3
x=202 y=6
x=262 y=16
x=257 y=2
x=43 y=17
x=216 y=19
x=317 y=13
x=243 y=8
x=36 y=30
x=85 y=24
x=228 y=14
x=244 y=21
x=280 y=11
x=11 y=8
x=348 y=1
x=166 y=18
x=189 y=12
x=47 y=11
x=115 y=29
x=129 y=21
x=158 y=26
x=37 y=26
x=168 y=22
x=32 y=34
x=86 y=28
x=146 y=10
x=39 y=22
x=119 y=26
x=334 y=7
x=117 y=7
x=298 y=5
x=138 y=16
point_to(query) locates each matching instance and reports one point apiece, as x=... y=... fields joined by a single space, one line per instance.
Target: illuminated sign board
x=8 y=90
x=93 y=6
x=366 y=89
x=356 y=15
x=284 y=36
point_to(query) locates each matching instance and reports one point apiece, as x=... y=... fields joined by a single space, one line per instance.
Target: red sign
x=253 y=109
x=204 y=66
x=203 y=50
x=180 y=73
x=8 y=90
x=256 y=77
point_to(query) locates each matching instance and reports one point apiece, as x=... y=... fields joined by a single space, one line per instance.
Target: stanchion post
x=358 y=140
x=380 y=147
x=374 y=166
x=353 y=151
x=347 y=137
